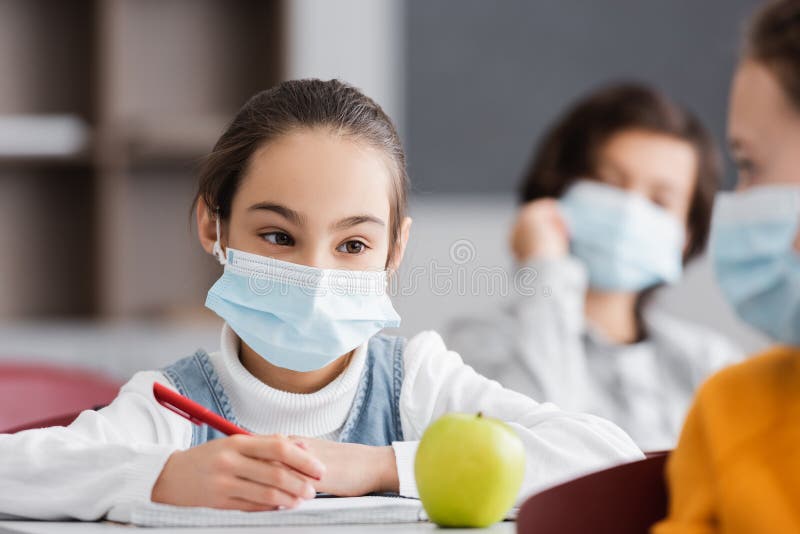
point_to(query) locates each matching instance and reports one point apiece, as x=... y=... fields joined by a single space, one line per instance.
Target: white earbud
x=217 y=249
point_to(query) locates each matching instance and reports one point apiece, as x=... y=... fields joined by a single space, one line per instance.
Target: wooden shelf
x=105 y=230
x=80 y=160
x=46 y=56
x=173 y=140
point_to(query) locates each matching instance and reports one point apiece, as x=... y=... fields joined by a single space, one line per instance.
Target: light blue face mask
x=626 y=242
x=757 y=268
x=299 y=317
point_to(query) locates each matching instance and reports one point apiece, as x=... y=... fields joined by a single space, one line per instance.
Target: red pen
x=194 y=412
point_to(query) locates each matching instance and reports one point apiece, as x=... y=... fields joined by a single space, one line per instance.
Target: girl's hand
x=250 y=473
x=539 y=232
x=352 y=470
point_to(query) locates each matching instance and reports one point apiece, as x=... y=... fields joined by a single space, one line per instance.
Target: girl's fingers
x=560 y=222
x=277 y=475
x=261 y=495
x=284 y=451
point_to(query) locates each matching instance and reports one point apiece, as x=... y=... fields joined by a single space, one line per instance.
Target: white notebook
x=320 y=511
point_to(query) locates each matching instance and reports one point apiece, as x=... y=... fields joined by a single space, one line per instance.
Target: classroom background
x=107 y=107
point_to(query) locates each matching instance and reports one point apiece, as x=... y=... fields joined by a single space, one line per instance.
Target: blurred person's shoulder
x=760 y=379
x=748 y=401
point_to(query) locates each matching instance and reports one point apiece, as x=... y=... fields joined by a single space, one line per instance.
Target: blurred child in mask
x=737 y=466
x=616 y=201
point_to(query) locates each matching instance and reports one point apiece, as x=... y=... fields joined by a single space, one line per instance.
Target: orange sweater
x=737 y=466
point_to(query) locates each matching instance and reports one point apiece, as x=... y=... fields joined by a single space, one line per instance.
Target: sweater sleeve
x=559 y=445
x=535 y=345
x=105 y=458
x=690 y=480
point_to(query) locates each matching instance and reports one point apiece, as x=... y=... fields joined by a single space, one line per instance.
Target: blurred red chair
x=627 y=499
x=36 y=392
x=58 y=420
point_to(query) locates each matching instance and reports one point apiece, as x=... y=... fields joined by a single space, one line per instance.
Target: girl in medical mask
x=737 y=466
x=617 y=199
x=303 y=200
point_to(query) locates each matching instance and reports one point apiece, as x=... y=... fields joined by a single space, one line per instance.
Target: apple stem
x=480 y=414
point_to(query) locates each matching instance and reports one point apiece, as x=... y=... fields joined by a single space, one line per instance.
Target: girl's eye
x=278 y=238
x=664 y=200
x=746 y=168
x=352 y=247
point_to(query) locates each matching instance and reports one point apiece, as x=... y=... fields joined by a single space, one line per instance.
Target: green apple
x=469 y=469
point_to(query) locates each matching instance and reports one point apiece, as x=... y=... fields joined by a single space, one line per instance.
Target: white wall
x=357 y=41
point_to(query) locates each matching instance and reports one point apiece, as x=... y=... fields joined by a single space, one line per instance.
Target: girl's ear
x=400 y=246
x=206 y=227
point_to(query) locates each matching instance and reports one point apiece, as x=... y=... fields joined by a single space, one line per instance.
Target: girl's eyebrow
x=663 y=182
x=287 y=213
x=355 y=220
x=737 y=145
x=298 y=219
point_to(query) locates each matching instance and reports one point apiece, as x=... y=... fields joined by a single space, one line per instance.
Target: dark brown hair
x=295 y=105
x=570 y=149
x=774 y=41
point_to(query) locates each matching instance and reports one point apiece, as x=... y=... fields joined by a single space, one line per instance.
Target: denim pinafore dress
x=374 y=418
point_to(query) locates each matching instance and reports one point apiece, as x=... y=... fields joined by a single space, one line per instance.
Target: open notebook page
x=320 y=511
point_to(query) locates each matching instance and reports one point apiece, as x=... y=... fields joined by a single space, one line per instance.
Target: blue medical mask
x=299 y=317
x=626 y=242
x=757 y=268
